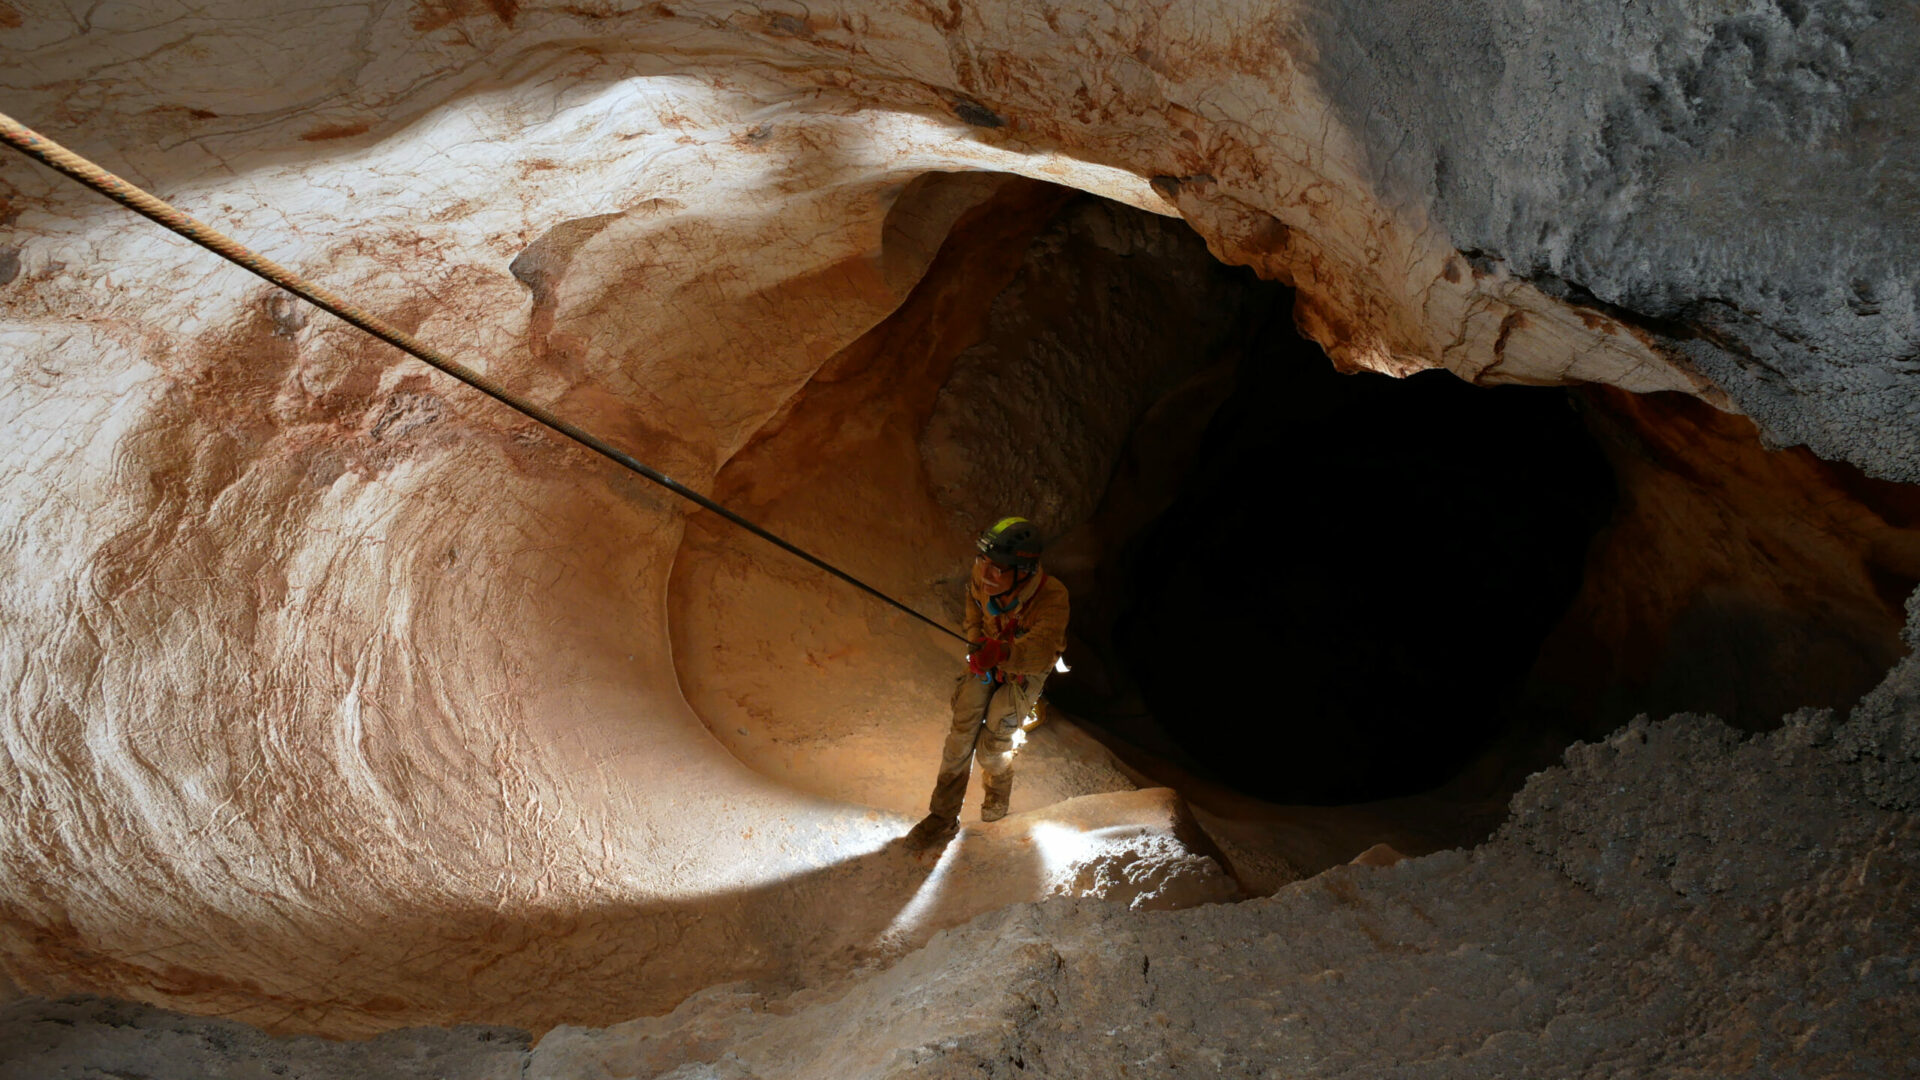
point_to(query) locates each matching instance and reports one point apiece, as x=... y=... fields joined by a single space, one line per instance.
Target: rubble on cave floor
x=1678 y=898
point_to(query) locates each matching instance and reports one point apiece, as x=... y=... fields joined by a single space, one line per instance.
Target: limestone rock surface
x=1676 y=900
x=341 y=701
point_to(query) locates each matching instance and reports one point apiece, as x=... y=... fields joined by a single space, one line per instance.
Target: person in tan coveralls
x=1017 y=623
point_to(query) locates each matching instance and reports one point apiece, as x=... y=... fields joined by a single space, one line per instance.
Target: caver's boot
x=997 y=793
x=933 y=831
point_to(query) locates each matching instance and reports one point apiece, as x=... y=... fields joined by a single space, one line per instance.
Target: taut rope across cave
x=137 y=199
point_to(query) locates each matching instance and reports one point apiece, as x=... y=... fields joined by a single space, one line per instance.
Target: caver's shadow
x=533 y=971
x=538 y=969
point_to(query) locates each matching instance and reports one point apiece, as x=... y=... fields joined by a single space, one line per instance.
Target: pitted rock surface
x=1735 y=180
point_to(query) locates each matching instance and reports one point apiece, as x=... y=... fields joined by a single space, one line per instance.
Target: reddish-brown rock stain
x=1712 y=521
x=1516 y=320
x=945 y=16
x=337 y=131
x=437 y=14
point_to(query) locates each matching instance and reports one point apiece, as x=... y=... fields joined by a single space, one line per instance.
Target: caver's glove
x=986 y=656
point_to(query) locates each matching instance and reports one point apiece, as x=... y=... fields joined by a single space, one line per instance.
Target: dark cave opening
x=1353 y=588
x=1311 y=587
x=1345 y=599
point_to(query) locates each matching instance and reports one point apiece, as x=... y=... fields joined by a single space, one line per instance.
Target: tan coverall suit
x=986 y=713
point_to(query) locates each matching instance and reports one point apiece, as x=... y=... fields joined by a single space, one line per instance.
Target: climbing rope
x=58 y=157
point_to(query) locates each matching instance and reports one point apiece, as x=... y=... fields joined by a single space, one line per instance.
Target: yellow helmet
x=1012 y=542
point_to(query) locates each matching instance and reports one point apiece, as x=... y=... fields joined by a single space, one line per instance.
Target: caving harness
x=1002 y=608
x=1006 y=607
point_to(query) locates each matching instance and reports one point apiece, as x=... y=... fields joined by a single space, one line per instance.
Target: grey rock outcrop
x=1882 y=738
x=1738 y=180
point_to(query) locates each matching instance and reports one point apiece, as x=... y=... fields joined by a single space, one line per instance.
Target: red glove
x=986 y=656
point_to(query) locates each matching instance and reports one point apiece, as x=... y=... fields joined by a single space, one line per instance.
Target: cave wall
x=1382 y=580
x=1263 y=124
x=1732 y=580
x=1732 y=180
x=343 y=701
x=1348 y=590
x=1007 y=383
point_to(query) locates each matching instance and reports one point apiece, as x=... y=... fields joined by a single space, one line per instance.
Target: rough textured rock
x=1677 y=900
x=1731 y=580
x=89 y=1037
x=1112 y=311
x=1008 y=382
x=341 y=702
x=1883 y=734
x=1735 y=180
x=1482 y=187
